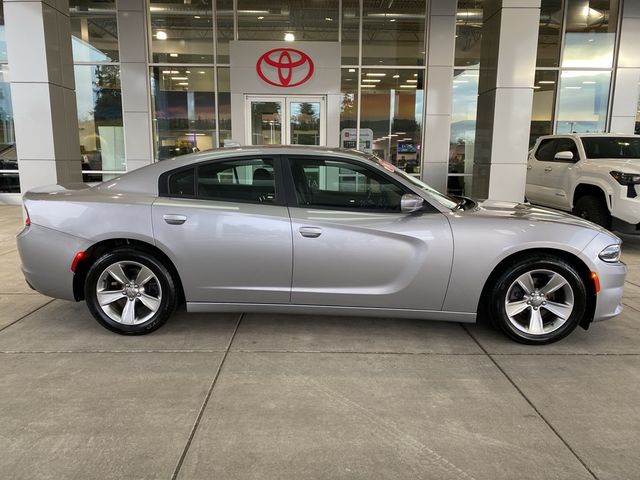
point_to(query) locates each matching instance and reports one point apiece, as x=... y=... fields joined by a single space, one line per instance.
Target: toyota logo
x=285 y=67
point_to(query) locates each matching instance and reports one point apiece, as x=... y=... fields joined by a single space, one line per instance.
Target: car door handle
x=175 y=219
x=529 y=167
x=310 y=232
x=547 y=169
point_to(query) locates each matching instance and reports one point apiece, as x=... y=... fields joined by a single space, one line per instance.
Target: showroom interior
x=455 y=93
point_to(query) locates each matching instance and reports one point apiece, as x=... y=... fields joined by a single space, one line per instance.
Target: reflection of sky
x=84 y=52
x=588 y=50
x=84 y=91
x=583 y=101
x=464 y=106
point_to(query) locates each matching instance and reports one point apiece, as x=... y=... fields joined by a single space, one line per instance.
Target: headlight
x=625 y=178
x=610 y=254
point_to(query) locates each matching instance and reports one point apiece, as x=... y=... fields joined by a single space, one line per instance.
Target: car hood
x=528 y=212
x=625 y=165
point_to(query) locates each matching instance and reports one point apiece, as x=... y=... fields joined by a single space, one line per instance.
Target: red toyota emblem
x=285 y=67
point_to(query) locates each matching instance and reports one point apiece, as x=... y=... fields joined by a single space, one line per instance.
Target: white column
x=43 y=95
x=505 y=96
x=134 y=80
x=438 y=101
x=625 y=94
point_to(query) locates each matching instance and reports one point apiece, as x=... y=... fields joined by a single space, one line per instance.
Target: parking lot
x=299 y=397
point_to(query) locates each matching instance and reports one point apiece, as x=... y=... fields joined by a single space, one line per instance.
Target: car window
x=182 y=183
x=566 y=145
x=246 y=180
x=546 y=150
x=343 y=185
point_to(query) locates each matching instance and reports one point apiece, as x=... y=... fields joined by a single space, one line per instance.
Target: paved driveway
x=309 y=397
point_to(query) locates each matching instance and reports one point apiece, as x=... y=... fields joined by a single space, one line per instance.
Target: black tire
x=498 y=295
x=167 y=286
x=594 y=209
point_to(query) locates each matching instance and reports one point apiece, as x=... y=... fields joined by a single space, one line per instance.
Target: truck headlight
x=610 y=254
x=625 y=178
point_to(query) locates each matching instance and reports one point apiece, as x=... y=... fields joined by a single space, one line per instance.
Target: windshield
x=441 y=198
x=611 y=147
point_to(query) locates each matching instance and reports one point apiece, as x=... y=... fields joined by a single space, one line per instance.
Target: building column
x=38 y=37
x=505 y=96
x=134 y=81
x=440 y=56
x=625 y=93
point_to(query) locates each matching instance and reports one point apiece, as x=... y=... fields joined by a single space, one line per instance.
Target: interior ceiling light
x=408 y=86
x=371 y=80
x=161 y=35
x=261 y=18
x=415 y=81
x=179 y=78
x=173 y=54
x=396 y=76
x=376 y=74
x=351 y=70
x=196 y=16
x=368 y=86
x=183 y=83
x=328 y=19
x=547 y=81
x=289 y=37
x=201 y=72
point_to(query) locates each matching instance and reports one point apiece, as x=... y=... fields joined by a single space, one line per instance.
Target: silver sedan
x=309 y=230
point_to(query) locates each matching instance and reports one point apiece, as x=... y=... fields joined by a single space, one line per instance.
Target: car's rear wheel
x=130 y=292
x=594 y=209
x=538 y=300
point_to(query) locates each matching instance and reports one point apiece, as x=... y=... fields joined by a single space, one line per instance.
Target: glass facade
x=9 y=180
x=94 y=40
x=576 y=47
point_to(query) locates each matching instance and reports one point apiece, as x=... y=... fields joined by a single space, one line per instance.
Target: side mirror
x=411 y=203
x=566 y=155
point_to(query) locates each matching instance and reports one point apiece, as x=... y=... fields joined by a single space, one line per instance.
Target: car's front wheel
x=538 y=300
x=593 y=209
x=130 y=292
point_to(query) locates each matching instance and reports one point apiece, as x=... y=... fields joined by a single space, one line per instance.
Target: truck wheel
x=594 y=209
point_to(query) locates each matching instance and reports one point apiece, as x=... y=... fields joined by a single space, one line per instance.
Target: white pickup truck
x=595 y=176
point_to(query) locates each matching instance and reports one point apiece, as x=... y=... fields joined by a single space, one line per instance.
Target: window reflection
x=391 y=116
x=184 y=104
x=224 y=105
x=181 y=32
x=224 y=19
x=544 y=90
x=583 y=100
x=9 y=181
x=349 y=104
x=393 y=33
x=590 y=34
x=94 y=31
x=463 y=130
x=549 y=33
x=350 y=31
x=305 y=20
x=468 y=32
x=99 y=105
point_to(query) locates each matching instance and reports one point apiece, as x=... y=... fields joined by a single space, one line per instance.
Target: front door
x=285 y=120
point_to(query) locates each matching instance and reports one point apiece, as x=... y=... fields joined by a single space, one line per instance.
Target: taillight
x=76 y=260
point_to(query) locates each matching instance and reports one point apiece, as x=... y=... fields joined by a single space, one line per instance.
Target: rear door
x=353 y=247
x=227 y=229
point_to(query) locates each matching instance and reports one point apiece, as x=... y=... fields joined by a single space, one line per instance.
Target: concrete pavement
x=290 y=397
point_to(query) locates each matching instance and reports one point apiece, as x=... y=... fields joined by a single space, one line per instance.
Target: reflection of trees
x=107 y=108
x=348 y=111
x=308 y=118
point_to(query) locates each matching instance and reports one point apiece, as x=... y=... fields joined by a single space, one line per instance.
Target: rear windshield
x=611 y=147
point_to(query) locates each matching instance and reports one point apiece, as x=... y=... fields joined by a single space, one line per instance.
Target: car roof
x=580 y=135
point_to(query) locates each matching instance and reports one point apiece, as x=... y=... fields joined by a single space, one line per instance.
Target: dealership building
x=453 y=92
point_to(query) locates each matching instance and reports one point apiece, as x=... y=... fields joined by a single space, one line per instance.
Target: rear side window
x=546 y=150
x=182 y=184
x=246 y=180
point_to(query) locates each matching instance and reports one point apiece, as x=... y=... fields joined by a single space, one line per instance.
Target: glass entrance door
x=290 y=120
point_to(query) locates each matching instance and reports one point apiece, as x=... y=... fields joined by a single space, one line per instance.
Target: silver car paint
x=430 y=265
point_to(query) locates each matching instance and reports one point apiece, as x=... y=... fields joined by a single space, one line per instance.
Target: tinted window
x=241 y=180
x=611 y=147
x=343 y=185
x=546 y=150
x=182 y=183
